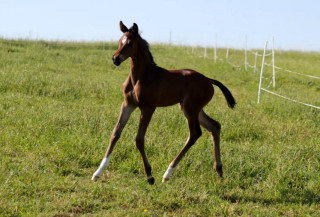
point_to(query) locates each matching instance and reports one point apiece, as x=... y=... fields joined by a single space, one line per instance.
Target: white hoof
x=104 y=163
x=165 y=179
x=94 y=178
x=167 y=174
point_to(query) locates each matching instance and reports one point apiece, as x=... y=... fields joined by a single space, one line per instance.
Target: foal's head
x=132 y=45
x=127 y=43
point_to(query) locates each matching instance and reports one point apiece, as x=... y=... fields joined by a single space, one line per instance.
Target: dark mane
x=146 y=44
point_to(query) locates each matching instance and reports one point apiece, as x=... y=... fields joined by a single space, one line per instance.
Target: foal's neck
x=141 y=62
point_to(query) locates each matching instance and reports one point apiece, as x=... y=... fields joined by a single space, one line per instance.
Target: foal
x=149 y=86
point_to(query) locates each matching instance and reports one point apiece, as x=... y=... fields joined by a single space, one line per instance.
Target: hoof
x=219 y=170
x=150 y=180
x=164 y=180
x=95 y=178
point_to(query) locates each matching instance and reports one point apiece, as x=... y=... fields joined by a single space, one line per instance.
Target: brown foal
x=149 y=86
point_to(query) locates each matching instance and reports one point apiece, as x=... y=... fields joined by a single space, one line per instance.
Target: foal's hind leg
x=194 y=134
x=125 y=112
x=214 y=128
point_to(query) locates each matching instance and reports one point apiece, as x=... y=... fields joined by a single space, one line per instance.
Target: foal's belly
x=155 y=98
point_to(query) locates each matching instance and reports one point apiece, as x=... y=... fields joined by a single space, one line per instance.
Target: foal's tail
x=226 y=92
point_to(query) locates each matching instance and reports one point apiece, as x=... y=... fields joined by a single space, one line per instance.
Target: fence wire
x=256 y=54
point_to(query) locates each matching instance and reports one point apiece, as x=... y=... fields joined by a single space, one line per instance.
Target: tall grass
x=59 y=102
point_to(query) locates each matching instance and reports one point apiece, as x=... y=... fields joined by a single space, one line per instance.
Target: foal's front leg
x=146 y=114
x=125 y=112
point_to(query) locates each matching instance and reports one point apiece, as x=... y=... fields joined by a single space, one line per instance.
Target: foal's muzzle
x=116 y=60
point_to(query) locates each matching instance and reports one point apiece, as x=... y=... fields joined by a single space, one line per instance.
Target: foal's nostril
x=116 y=60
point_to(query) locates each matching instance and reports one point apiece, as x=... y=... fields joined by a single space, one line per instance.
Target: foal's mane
x=144 y=43
x=147 y=47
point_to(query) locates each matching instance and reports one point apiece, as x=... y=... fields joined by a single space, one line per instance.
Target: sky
x=293 y=24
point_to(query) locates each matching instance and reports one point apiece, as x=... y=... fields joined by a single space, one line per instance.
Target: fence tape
x=236 y=66
x=259 y=55
x=267 y=64
x=293 y=100
x=255 y=53
x=298 y=73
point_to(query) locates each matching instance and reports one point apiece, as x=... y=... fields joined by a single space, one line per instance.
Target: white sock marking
x=168 y=173
x=104 y=163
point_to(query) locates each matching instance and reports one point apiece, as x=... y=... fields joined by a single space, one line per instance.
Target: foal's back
x=169 y=87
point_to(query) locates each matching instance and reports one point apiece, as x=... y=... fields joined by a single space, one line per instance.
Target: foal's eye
x=130 y=43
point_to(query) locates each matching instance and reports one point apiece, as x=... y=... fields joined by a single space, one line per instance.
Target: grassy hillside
x=60 y=101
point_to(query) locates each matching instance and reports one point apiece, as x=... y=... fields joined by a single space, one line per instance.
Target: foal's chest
x=138 y=94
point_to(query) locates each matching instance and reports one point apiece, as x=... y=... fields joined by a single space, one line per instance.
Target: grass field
x=59 y=102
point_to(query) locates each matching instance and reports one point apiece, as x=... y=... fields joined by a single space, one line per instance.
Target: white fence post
x=255 y=62
x=262 y=69
x=215 y=51
x=245 y=56
x=227 y=54
x=215 y=54
x=273 y=65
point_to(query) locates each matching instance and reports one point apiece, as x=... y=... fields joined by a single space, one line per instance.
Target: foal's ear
x=123 y=28
x=135 y=29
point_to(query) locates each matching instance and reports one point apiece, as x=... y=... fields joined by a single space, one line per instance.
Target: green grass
x=59 y=102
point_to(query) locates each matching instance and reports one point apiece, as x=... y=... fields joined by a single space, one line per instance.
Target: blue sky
x=294 y=24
